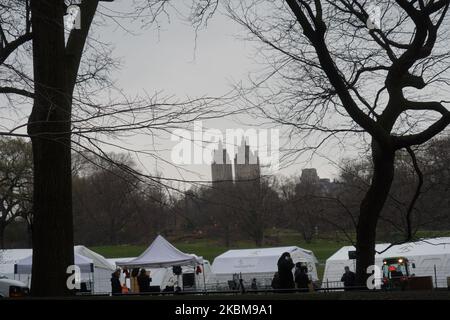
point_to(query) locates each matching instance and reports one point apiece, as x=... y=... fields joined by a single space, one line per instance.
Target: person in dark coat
x=285 y=266
x=116 y=287
x=144 y=281
x=301 y=277
x=349 y=279
x=276 y=281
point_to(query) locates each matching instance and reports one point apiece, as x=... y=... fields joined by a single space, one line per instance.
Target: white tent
x=259 y=264
x=160 y=257
x=24 y=265
x=163 y=277
x=98 y=260
x=161 y=254
x=102 y=269
x=431 y=257
x=9 y=257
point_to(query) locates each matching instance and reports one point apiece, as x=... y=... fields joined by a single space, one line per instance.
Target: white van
x=12 y=288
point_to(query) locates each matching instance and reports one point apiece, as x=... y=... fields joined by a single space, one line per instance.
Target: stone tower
x=310 y=176
x=221 y=168
x=246 y=164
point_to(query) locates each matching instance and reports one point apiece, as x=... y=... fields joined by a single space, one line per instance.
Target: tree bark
x=55 y=67
x=2 y=236
x=49 y=129
x=30 y=234
x=370 y=209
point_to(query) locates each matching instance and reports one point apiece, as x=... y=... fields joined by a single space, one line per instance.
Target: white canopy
x=261 y=260
x=98 y=260
x=431 y=257
x=23 y=266
x=9 y=257
x=161 y=254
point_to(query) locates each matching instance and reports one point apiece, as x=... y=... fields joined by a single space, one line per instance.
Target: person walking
x=348 y=278
x=285 y=266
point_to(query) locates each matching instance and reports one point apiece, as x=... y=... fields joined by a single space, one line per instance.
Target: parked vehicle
x=396 y=273
x=12 y=288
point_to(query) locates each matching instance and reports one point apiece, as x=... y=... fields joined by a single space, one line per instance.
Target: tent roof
x=98 y=260
x=262 y=252
x=160 y=254
x=435 y=246
x=257 y=260
x=8 y=257
x=24 y=265
x=11 y=256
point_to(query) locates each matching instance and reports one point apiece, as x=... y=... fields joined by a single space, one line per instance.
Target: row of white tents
x=95 y=269
x=159 y=258
x=431 y=257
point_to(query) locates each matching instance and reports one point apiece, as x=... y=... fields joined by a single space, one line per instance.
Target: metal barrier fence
x=263 y=284
x=440 y=275
x=101 y=285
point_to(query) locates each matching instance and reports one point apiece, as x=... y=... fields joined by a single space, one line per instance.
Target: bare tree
x=340 y=73
x=255 y=204
x=15 y=182
x=65 y=75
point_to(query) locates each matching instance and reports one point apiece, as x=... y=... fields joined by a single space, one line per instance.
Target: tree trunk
x=2 y=236
x=49 y=129
x=227 y=235
x=370 y=209
x=29 y=235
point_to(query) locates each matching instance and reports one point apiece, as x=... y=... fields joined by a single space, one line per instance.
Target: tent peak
x=161 y=253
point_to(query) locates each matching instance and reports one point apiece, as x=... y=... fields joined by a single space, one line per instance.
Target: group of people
x=139 y=281
x=286 y=279
x=283 y=279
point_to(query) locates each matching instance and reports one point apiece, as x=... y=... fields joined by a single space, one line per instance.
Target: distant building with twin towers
x=246 y=165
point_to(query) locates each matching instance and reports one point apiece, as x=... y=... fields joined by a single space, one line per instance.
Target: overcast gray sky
x=168 y=59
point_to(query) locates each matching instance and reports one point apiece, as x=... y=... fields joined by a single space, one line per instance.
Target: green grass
x=119 y=251
x=432 y=234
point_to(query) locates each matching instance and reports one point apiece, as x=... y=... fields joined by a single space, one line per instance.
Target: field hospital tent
x=431 y=257
x=22 y=268
x=163 y=277
x=160 y=254
x=98 y=260
x=160 y=257
x=9 y=257
x=259 y=264
x=102 y=269
x=157 y=274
